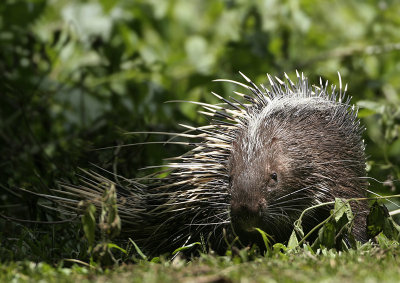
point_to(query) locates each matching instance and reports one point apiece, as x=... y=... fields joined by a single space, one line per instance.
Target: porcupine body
x=260 y=162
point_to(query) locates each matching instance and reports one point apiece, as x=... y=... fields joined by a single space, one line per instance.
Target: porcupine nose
x=241 y=208
x=247 y=209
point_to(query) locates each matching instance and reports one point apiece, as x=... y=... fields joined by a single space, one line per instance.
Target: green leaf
x=266 y=239
x=89 y=224
x=293 y=241
x=138 y=250
x=382 y=240
x=184 y=248
x=279 y=248
x=379 y=221
x=298 y=228
x=376 y=220
x=342 y=207
x=327 y=234
x=112 y=245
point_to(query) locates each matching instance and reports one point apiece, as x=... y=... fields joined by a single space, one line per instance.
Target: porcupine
x=261 y=161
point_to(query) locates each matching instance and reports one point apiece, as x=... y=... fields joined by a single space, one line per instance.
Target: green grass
x=369 y=264
x=377 y=261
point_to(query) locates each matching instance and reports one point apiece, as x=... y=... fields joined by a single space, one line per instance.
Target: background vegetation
x=75 y=76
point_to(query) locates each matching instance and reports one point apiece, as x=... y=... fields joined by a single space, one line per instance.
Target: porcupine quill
x=261 y=161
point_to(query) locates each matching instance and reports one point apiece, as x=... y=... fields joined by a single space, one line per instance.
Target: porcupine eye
x=273 y=180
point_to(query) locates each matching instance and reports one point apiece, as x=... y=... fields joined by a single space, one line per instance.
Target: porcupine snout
x=247 y=209
x=247 y=205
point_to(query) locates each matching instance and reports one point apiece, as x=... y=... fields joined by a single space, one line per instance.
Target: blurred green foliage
x=77 y=75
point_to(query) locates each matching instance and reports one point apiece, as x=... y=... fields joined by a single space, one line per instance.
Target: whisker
x=299 y=190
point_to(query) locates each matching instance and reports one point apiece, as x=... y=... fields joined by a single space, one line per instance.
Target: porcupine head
x=301 y=148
